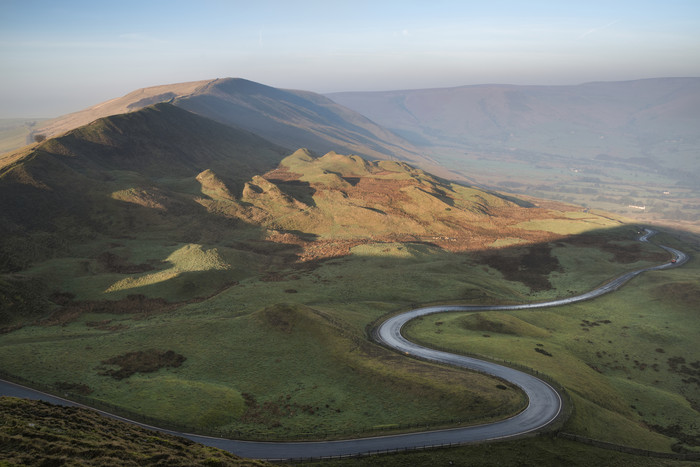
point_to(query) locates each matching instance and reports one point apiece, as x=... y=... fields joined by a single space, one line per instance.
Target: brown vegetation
x=144 y=361
x=419 y=207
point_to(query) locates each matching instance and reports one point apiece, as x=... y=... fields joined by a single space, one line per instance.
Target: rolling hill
x=159 y=209
x=164 y=176
x=626 y=147
x=93 y=167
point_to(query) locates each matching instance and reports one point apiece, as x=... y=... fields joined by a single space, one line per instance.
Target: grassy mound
x=183 y=402
x=500 y=323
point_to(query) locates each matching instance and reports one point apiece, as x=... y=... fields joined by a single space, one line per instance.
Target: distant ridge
x=289 y=118
x=133 y=101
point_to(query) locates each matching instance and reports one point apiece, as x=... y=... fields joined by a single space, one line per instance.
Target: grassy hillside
x=247 y=349
x=296 y=119
x=37 y=433
x=336 y=197
x=118 y=175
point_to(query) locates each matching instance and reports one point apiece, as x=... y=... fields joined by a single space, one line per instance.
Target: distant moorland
x=629 y=147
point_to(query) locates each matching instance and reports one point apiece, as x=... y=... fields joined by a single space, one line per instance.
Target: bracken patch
x=144 y=361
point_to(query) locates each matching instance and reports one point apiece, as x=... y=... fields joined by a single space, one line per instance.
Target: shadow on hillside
x=611 y=252
x=297 y=189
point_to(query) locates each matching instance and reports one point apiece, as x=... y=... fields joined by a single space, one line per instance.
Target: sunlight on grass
x=189 y=258
x=507 y=241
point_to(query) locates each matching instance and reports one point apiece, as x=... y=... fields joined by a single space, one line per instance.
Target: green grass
x=189 y=258
x=567 y=227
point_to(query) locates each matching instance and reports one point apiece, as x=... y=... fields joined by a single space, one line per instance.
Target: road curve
x=544 y=402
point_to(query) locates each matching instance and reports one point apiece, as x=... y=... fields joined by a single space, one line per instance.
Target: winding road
x=544 y=406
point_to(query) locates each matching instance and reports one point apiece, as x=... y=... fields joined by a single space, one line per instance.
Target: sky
x=61 y=56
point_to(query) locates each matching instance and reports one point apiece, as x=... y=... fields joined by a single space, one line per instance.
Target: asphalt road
x=544 y=402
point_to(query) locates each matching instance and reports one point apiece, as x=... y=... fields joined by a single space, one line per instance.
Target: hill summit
x=79 y=176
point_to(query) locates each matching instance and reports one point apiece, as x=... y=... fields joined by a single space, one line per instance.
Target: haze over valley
x=619 y=146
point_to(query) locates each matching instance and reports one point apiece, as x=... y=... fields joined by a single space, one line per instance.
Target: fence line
x=629 y=450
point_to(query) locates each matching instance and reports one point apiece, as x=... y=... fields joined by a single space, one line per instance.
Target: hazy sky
x=64 y=55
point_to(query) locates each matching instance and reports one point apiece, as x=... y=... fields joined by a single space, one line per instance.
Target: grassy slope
x=224 y=331
x=37 y=433
x=265 y=396
x=120 y=175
